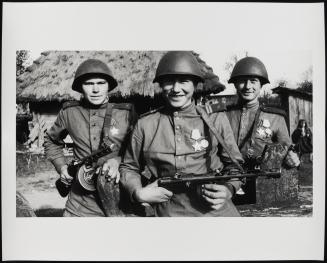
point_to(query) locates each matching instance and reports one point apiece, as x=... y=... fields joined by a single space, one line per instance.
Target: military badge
x=264 y=130
x=261 y=132
x=204 y=143
x=268 y=132
x=266 y=123
x=197 y=146
x=114 y=131
x=196 y=135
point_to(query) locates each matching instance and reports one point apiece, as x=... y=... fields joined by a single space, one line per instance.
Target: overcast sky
x=281 y=35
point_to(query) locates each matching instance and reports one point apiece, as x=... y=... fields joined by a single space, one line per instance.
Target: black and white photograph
x=194 y=128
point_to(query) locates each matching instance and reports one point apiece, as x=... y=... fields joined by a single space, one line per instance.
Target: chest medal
x=114 y=131
x=196 y=135
x=199 y=143
x=263 y=130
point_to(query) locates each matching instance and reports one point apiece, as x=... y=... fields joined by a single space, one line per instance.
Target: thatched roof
x=50 y=77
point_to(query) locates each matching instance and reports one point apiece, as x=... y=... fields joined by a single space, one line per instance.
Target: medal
x=197 y=146
x=204 y=143
x=114 y=131
x=266 y=123
x=195 y=134
x=261 y=132
x=268 y=132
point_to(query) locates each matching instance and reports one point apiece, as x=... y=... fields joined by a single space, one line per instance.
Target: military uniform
x=84 y=123
x=166 y=142
x=254 y=127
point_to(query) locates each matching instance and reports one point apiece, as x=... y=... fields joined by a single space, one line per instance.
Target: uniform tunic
x=167 y=142
x=84 y=124
x=271 y=127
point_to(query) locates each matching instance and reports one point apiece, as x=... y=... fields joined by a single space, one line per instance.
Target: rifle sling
x=220 y=140
x=251 y=132
x=106 y=123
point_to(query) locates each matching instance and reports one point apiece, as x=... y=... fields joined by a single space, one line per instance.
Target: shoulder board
x=216 y=107
x=69 y=104
x=274 y=110
x=123 y=106
x=151 y=112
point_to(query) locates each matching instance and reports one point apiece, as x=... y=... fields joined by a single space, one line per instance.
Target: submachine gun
x=215 y=177
x=268 y=165
x=84 y=171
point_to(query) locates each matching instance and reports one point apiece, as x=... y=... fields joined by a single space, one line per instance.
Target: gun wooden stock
x=215 y=177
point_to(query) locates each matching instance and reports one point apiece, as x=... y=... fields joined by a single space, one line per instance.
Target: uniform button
x=178 y=127
x=179 y=139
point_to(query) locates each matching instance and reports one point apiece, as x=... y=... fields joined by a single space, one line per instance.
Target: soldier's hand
x=64 y=175
x=152 y=194
x=110 y=170
x=292 y=159
x=216 y=195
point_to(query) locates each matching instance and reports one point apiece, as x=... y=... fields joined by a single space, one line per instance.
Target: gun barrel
x=207 y=178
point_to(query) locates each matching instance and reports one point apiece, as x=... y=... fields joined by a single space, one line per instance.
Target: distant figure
x=302 y=138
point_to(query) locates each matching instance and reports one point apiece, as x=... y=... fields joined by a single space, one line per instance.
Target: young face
x=95 y=90
x=178 y=91
x=248 y=88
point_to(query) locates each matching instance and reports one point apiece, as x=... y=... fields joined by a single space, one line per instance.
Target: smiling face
x=178 y=90
x=248 y=88
x=95 y=90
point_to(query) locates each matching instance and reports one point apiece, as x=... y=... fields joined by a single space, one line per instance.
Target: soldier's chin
x=96 y=102
x=176 y=104
x=249 y=97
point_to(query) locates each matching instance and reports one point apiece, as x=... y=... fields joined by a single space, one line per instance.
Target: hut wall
x=44 y=115
x=299 y=108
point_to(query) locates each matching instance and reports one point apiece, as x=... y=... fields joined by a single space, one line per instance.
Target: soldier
x=90 y=123
x=255 y=125
x=175 y=139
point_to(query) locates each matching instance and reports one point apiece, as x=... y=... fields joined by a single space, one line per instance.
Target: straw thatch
x=50 y=77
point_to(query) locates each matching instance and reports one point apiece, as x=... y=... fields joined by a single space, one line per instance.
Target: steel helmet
x=249 y=66
x=178 y=63
x=91 y=67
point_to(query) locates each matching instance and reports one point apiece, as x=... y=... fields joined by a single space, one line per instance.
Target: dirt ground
x=39 y=189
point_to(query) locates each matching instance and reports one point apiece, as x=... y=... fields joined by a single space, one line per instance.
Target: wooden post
x=283 y=189
x=275 y=191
